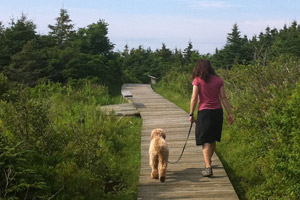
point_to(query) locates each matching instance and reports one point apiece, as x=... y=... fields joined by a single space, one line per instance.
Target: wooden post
x=152 y=79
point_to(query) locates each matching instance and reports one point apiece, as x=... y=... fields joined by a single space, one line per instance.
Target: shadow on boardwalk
x=177 y=176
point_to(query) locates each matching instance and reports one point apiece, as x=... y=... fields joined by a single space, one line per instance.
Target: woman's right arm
x=194 y=101
x=226 y=104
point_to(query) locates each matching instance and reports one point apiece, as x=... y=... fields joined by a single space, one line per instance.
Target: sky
x=150 y=23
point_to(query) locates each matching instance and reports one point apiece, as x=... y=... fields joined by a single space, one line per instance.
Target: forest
x=55 y=143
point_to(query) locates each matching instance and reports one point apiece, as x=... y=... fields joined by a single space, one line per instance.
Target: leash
x=183 y=146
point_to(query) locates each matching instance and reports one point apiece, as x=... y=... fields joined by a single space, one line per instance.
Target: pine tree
x=188 y=51
x=288 y=40
x=163 y=59
x=177 y=58
x=234 y=38
x=27 y=66
x=234 y=44
x=1 y=29
x=126 y=51
x=165 y=53
x=62 y=31
x=236 y=51
x=13 y=38
x=2 y=48
x=94 y=40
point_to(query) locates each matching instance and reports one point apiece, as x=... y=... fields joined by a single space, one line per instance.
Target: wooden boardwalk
x=184 y=180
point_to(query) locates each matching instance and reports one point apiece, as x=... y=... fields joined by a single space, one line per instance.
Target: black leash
x=183 y=146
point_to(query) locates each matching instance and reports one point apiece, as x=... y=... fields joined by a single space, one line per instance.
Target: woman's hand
x=192 y=119
x=230 y=119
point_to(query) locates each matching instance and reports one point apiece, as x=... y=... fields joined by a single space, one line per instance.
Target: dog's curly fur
x=159 y=154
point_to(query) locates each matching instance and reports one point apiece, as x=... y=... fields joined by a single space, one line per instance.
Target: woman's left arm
x=226 y=104
x=194 y=101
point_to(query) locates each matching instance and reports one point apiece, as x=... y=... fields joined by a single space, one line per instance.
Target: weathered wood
x=184 y=180
x=126 y=93
x=126 y=109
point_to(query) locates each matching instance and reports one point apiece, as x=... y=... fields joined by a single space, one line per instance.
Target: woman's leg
x=213 y=148
x=208 y=151
x=207 y=154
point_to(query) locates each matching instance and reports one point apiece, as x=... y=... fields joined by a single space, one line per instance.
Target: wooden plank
x=184 y=180
x=127 y=109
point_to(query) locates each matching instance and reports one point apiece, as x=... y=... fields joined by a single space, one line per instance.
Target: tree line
x=64 y=53
x=265 y=46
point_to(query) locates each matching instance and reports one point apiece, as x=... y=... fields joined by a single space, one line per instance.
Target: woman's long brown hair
x=204 y=70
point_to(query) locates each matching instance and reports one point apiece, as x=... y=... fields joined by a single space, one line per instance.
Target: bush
x=56 y=143
x=3 y=84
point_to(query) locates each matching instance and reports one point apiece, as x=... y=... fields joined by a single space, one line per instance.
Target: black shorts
x=209 y=126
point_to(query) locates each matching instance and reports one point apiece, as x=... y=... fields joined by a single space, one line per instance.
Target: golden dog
x=159 y=154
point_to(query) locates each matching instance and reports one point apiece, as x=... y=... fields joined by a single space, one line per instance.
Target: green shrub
x=3 y=84
x=56 y=143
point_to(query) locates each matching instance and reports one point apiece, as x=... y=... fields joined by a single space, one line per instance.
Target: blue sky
x=152 y=22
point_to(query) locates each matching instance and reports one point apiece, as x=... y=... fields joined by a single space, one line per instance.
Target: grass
x=182 y=102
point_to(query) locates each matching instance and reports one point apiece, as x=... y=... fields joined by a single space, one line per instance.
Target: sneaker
x=207 y=172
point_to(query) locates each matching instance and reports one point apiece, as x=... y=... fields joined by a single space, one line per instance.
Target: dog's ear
x=153 y=134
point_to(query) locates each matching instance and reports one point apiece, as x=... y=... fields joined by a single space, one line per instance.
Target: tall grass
x=55 y=143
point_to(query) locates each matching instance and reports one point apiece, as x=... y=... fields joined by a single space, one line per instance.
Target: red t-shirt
x=209 y=92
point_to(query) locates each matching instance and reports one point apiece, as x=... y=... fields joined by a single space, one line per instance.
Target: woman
x=208 y=87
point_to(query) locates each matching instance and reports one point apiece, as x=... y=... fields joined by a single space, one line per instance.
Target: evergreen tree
x=138 y=64
x=187 y=53
x=57 y=62
x=246 y=51
x=178 y=58
x=163 y=59
x=94 y=40
x=27 y=66
x=165 y=53
x=13 y=38
x=126 y=51
x=236 y=51
x=62 y=31
x=262 y=45
x=288 y=40
x=1 y=29
x=234 y=38
x=19 y=34
x=2 y=48
x=234 y=45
